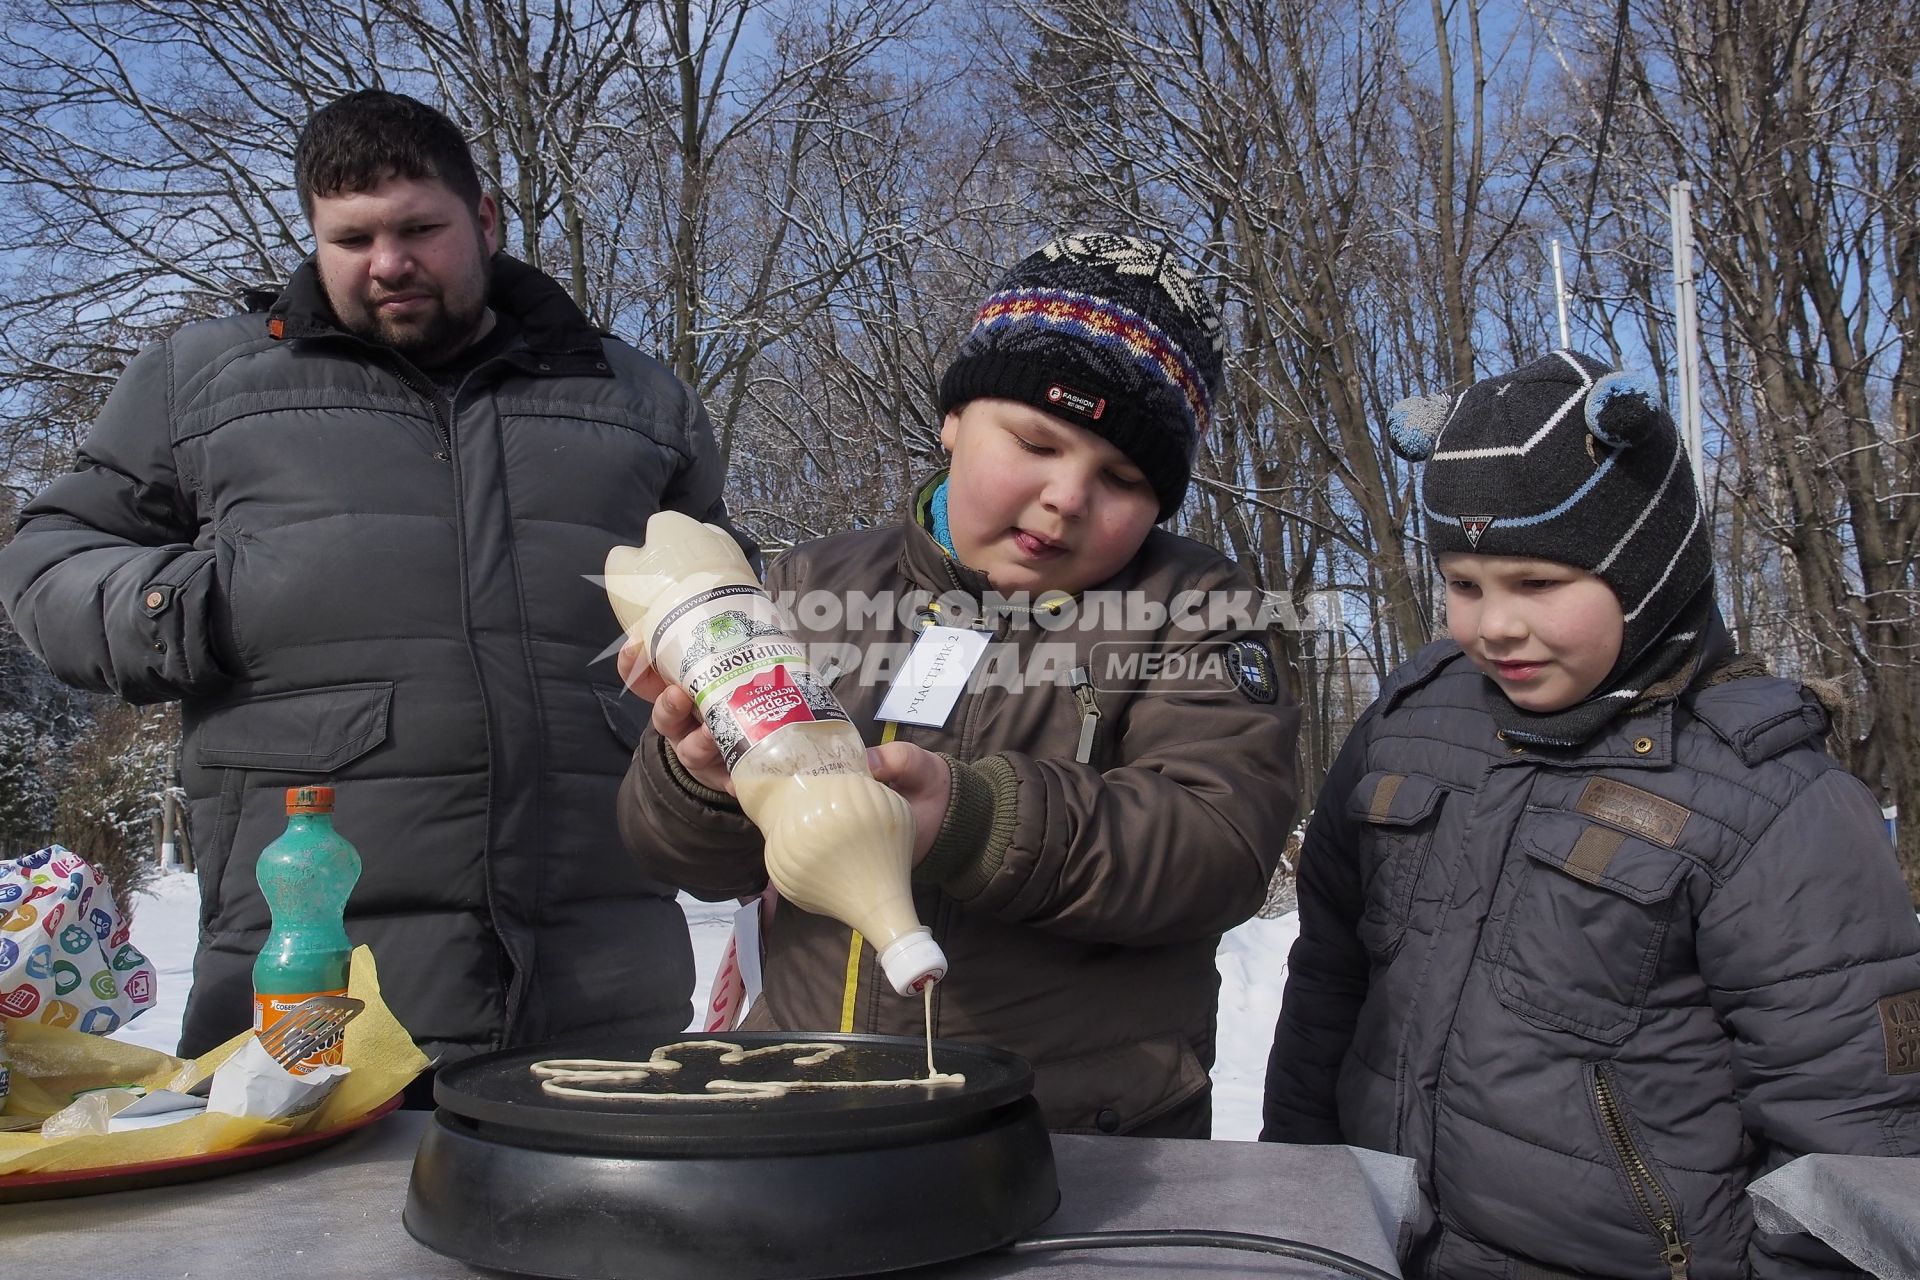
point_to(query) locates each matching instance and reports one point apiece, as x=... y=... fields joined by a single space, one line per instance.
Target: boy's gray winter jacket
x=1597 y=994
x=344 y=580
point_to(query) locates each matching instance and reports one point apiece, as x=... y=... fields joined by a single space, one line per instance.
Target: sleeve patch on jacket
x=1638 y=812
x=1900 y=1021
x=1254 y=671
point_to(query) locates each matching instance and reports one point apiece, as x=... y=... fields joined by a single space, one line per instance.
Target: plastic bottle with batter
x=838 y=842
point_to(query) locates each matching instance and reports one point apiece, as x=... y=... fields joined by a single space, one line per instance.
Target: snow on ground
x=1253 y=966
x=1252 y=962
x=166 y=926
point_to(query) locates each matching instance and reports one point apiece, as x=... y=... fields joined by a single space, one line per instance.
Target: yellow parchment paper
x=51 y=1064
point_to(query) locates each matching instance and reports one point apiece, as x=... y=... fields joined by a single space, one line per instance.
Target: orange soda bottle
x=306 y=876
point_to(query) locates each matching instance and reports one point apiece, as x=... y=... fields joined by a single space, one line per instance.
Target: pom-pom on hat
x=1565 y=459
x=1106 y=332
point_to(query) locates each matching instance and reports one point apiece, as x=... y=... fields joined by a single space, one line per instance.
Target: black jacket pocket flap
x=1601 y=855
x=626 y=714
x=301 y=731
x=1394 y=799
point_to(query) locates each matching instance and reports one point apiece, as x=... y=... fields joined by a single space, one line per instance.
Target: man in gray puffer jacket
x=1591 y=924
x=353 y=535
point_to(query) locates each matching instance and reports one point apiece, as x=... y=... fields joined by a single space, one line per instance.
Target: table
x=336 y=1213
x=1867 y=1208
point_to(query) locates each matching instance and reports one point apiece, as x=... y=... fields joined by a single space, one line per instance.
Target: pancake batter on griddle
x=564 y=1077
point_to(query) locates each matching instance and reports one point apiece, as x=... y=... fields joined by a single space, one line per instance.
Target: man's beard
x=439 y=333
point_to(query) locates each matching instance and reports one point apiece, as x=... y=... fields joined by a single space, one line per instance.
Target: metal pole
x=1560 y=297
x=169 y=849
x=1687 y=330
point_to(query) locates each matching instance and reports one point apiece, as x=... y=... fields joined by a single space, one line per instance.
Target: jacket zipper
x=1082 y=682
x=423 y=387
x=1654 y=1202
x=416 y=382
x=1007 y=607
x=1083 y=693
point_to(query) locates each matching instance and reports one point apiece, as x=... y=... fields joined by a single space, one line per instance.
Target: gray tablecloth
x=1867 y=1208
x=336 y=1213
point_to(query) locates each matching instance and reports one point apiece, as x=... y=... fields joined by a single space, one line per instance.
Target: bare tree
x=840 y=419
x=666 y=160
x=1355 y=188
x=1799 y=126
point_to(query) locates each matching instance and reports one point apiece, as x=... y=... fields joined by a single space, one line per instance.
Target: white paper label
x=746 y=948
x=935 y=675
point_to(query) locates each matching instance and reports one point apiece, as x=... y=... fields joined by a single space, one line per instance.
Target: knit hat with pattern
x=1108 y=333
x=1567 y=460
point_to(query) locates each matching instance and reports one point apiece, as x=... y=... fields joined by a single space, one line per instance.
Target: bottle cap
x=912 y=960
x=309 y=799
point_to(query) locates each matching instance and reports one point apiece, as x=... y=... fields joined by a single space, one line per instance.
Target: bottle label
x=269 y=1009
x=747 y=676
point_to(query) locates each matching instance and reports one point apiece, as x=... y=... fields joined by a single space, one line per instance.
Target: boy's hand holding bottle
x=923 y=780
x=676 y=719
x=920 y=777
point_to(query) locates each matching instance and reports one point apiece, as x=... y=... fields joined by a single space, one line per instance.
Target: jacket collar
x=1639 y=740
x=1643 y=736
x=556 y=332
x=923 y=561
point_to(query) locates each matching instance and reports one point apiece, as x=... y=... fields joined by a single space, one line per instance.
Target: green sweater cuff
x=977 y=829
x=693 y=787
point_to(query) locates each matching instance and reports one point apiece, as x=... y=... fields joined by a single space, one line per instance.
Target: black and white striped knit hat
x=1567 y=460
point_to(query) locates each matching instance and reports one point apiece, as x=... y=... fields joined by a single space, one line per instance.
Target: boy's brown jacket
x=1079 y=904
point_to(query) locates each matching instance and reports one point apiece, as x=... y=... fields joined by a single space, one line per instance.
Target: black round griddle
x=809 y=1184
x=499 y=1096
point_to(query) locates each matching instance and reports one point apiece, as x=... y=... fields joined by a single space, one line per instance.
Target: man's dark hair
x=358 y=141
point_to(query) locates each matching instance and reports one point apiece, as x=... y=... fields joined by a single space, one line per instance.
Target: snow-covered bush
x=27 y=794
x=111 y=791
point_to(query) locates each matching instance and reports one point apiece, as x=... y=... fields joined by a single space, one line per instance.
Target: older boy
x=1591 y=924
x=1084 y=837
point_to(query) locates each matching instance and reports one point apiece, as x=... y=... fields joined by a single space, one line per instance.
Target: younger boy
x=1087 y=828
x=1591 y=924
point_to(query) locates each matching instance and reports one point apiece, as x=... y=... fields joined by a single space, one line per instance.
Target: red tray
x=19 y=1187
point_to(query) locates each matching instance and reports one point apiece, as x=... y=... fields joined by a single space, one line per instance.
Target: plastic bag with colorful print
x=65 y=955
